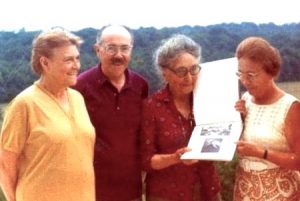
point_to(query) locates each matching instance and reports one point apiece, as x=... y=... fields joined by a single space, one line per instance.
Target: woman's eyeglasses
x=183 y=71
x=249 y=76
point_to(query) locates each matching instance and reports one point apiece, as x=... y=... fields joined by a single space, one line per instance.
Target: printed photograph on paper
x=212 y=145
x=216 y=130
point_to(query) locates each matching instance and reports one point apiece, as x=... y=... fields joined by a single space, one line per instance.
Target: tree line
x=217 y=42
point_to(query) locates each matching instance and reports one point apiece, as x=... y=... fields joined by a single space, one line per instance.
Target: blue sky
x=79 y=14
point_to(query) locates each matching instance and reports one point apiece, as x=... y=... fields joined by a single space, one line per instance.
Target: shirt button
x=162 y=119
x=181 y=194
x=115 y=94
x=118 y=108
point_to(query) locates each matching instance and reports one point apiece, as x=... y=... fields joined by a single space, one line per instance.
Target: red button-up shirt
x=116 y=117
x=164 y=130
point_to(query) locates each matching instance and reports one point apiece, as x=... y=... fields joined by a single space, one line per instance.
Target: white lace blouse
x=264 y=124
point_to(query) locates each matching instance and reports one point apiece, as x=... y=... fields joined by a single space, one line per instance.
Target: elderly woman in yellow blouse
x=47 y=140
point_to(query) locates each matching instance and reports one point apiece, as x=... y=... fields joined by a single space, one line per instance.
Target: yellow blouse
x=55 y=148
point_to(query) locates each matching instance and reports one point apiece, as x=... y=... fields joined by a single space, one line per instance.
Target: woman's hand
x=8 y=173
x=240 y=106
x=189 y=161
x=160 y=161
x=249 y=149
x=181 y=151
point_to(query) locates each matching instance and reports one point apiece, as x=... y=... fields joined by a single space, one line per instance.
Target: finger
x=187 y=149
x=178 y=154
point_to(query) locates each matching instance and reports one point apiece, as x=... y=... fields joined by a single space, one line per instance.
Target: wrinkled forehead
x=247 y=64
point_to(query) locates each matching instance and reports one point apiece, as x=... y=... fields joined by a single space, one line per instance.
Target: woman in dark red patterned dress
x=167 y=126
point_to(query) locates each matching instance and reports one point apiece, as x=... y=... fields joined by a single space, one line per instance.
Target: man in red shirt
x=113 y=95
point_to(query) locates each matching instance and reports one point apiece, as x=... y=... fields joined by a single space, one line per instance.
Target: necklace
x=63 y=101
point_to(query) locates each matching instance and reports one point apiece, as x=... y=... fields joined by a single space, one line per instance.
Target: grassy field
x=291 y=87
x=2 y=106
x=2 y=198
x=226 y=169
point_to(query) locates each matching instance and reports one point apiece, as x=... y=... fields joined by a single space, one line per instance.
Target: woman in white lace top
x=269 y=151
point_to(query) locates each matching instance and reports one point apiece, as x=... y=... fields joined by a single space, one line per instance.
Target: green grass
x=291 y=87
x=227 y=174
x=2 y=198
x=2 y=106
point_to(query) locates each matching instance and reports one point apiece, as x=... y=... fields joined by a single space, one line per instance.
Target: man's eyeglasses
x=249 y=76
x=183 y=71
x=113 y=49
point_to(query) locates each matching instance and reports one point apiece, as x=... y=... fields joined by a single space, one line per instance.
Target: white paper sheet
x=218 y=124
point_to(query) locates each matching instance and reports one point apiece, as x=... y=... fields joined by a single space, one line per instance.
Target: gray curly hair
x=172 y=47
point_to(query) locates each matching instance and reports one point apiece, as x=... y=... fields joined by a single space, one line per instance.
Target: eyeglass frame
x=116 y=48
x=249 y=75
x=187 y=70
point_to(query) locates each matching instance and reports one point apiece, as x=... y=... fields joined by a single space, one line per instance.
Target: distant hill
x=217 y=42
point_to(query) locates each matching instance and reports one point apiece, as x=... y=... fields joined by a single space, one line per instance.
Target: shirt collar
x=104 y=79
x=165 y=95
